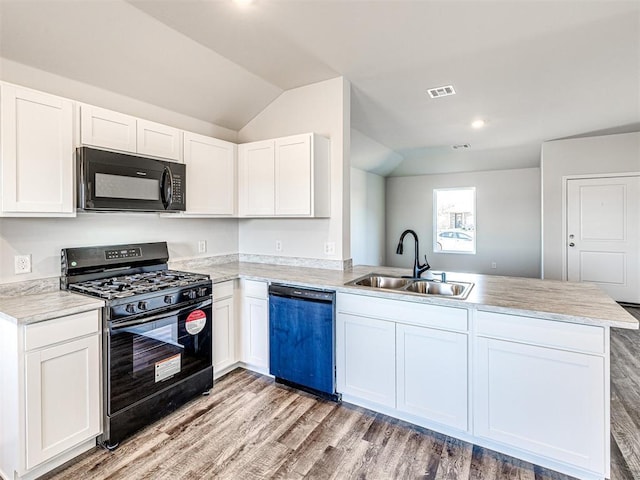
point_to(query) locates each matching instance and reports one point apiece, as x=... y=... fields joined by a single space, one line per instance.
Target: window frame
x=435 y=221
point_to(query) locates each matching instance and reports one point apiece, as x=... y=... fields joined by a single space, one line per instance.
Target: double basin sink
x=421 y=286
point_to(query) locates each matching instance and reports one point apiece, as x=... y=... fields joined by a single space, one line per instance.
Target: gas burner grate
x=136 y=284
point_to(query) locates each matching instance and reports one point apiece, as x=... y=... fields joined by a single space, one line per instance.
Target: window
x=454 y=220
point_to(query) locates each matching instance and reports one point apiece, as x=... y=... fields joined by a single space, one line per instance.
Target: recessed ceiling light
x=477 y=124
x=441 y=91
x=243 y=3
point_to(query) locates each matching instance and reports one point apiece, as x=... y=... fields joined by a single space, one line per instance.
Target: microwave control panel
x=177 y=190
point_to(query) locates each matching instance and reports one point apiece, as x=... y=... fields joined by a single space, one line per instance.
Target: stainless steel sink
x=380 y=281
x=419 y=286
x=438 y=288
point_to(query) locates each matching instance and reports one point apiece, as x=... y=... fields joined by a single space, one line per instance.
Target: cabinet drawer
x=572 y=336
x=223 y=290
x=254 y=288
x=61 y=329
x=421 y=314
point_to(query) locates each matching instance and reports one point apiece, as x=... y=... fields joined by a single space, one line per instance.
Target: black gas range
x=157 y=333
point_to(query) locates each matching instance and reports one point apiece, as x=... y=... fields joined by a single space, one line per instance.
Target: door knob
x=572 y=244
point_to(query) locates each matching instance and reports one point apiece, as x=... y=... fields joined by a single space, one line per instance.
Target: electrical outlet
x=278 y=245
x=202 y=246
x=329 y=248
x=22 y=264
x=493 y=265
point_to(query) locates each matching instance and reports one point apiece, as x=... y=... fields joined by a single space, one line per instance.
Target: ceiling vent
x=461 y=146
x=441 y=91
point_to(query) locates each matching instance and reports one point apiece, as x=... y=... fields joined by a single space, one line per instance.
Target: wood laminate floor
x=251 y=428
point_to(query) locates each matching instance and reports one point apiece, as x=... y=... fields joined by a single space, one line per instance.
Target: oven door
x=116 y=181
x=148 y=355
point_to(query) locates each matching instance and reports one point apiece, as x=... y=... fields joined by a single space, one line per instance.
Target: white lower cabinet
x=545 y=399
x=50 y=409
x=224 y=328
x=254 y=325
x=432 y=374
x=401 y=356
x=365 y=359
x=540 y=387
x=62 y=397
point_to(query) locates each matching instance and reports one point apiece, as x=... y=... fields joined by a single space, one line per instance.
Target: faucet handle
x=442 y=275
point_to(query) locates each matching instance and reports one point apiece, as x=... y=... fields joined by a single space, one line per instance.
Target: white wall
x=368 y=228
x=578 y=156
x=371 y=156
x=43 y=238
x=323 y=108
x=507 y=221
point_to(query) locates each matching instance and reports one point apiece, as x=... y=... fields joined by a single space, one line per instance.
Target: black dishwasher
x=302 y=339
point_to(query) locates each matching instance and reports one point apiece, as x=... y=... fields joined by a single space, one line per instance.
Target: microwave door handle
x=166 y=187
x=160 y=316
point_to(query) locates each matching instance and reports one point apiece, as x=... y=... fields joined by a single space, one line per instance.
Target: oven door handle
x=159 y=316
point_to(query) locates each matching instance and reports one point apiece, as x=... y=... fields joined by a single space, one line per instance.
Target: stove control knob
x=168 y=299
x=191 y=294
x=202 y=291
x=130 y=308
x=143 y=305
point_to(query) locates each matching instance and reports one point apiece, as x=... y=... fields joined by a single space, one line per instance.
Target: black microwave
x=114 y=181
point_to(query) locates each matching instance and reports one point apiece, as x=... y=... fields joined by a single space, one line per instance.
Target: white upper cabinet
x=286 y=176
x=257 y=178
x=159 y=140
x=104 y=128
x=211 y=177
x=36 y=132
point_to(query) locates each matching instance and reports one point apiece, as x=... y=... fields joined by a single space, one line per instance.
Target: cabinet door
x=257 y=178
x=224 y=354
x=432 y=374
x=159 y=140
x=293 y=173
x=104 y=128
x=534 y=398
x=37 y=152
x=211 y=178
x=365 y=359
x=62 y=388
x=255 y=333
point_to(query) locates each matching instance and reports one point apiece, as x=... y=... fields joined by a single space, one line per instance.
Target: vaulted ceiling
x=533 y=70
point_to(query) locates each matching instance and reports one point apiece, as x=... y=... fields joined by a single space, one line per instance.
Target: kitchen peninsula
x=520 y=366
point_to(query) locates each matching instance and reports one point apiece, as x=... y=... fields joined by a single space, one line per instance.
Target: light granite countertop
x=26 y=309
x=549 y=299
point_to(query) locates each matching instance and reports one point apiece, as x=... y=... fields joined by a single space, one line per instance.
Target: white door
x=255 y=333
x=257 y=178
x=532 y=397
x=62 y=397
x=224 y=336
x=104 y=128
x=432 y=374
x=603 y=239
x=293 y=175
x=159 y=140
x=365 y=358
x=211 y=182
